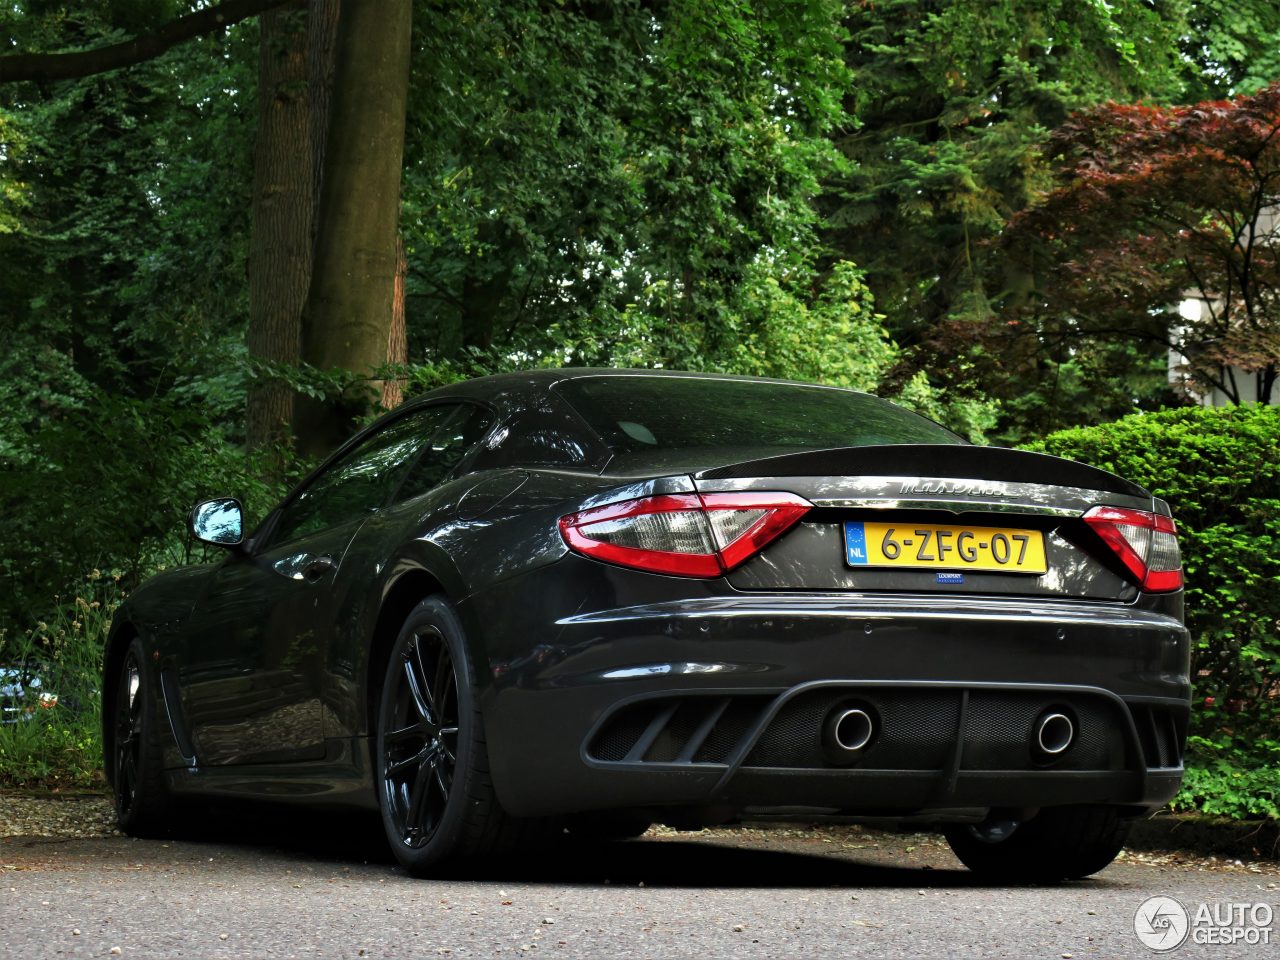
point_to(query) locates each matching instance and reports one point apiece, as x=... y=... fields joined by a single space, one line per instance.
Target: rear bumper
x=936 y=746
x=718 y=701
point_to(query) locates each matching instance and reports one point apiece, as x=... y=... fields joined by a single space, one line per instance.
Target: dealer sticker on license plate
x=934 y=546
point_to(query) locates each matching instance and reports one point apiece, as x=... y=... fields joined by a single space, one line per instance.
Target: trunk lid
x=919 y=491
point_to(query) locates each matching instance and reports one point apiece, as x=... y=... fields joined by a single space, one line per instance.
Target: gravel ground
x=35 y=816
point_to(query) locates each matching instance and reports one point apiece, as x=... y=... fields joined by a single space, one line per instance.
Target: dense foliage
x=1219 y=469
x=610 y=187
x=945 y=118
x=945 y=124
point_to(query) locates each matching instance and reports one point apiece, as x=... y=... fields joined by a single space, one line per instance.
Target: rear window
x=634 y=414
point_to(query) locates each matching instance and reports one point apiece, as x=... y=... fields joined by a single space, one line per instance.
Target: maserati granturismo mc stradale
x=591 y=600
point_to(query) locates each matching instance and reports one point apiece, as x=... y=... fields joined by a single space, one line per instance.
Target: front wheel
x=1060 y=843
x=434 y=789
x=135 y=766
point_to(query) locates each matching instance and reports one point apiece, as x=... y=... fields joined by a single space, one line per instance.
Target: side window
x=545 y=435
x=451 y=443
x=362 y=480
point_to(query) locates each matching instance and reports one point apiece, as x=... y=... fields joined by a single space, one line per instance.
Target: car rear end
x=901 y=626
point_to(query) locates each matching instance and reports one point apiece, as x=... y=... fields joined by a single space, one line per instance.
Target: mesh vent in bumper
x=696 y=729
x=1162 y=733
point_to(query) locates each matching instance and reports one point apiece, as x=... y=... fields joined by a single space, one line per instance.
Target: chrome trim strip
x=888 y=608
x=953 y=506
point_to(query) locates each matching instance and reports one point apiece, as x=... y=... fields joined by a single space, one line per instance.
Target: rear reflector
x=689 y=535
x=1146 y=543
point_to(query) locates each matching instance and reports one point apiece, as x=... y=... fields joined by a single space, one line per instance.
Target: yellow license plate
x=944 y=547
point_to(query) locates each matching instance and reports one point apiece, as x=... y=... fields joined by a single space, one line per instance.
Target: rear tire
x=432 y=765
x=135 y=766
x=1060 y=843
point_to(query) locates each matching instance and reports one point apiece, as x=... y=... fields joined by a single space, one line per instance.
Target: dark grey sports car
x=595 y=599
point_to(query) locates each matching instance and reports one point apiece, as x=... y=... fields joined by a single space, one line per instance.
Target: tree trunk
x=322 y=34
x=280 y=244
x=348 y=314
x=1267 y=382
x=398 y=336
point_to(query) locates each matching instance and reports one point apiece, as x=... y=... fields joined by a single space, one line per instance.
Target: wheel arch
x=403 y=594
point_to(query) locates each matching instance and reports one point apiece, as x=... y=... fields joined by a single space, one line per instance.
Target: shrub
x=1230 y=783
x=1219 y=469
x=108 y=485
x=57 y=743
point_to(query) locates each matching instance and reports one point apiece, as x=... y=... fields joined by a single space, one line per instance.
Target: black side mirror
x=220 y=522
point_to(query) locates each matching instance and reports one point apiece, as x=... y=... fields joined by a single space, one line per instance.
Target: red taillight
x=688 y=534
x=1146 y=543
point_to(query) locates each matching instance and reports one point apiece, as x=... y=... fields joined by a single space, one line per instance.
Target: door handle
x=317 y=567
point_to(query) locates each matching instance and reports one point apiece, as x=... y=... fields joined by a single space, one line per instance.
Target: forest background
x=232 y=231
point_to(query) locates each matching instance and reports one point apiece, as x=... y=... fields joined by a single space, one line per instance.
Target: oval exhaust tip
x=851 y=730
x=1054 y=733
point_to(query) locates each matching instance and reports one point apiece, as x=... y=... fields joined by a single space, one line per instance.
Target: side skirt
x=343 y=778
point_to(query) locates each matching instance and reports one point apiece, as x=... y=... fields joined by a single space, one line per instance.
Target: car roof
x=509 y=389
x=516 y=391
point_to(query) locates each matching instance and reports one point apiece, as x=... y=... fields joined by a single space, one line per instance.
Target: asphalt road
x=254 y=887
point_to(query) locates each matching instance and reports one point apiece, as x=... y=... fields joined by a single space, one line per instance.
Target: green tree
x=350 y=297
x=1154 y=204
x=124 y=203
x=1230 y=47
x=592 y=179
x=162 y=34
x=949 y=106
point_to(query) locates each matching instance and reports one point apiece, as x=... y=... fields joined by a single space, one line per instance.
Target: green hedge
x=1219 y=469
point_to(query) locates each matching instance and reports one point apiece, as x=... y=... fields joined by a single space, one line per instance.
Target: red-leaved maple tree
x=1154 y=206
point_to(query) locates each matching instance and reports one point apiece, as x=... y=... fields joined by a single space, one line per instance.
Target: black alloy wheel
x=434 y=789
x=135 y=764
x=419 y=735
